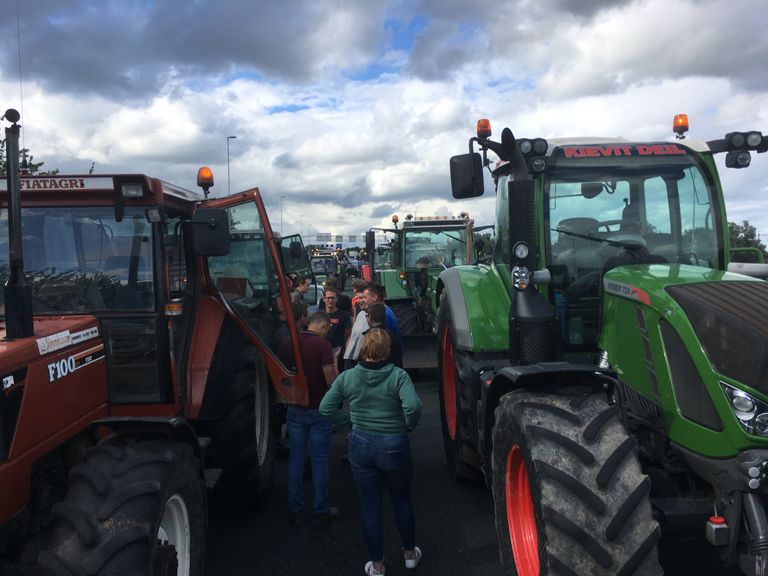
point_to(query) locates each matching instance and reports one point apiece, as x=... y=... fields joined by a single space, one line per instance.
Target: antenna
x=21 y=91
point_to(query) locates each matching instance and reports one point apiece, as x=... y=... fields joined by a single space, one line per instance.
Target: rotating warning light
x=680 y=125
x=395 y=219
x=204 y=177
x=484 y=128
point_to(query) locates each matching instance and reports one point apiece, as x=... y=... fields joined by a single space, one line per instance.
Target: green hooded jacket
x=381 y=400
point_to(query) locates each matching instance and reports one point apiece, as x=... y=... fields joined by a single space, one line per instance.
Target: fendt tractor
x=418 y=253
x=606 y=373
x=139 y=365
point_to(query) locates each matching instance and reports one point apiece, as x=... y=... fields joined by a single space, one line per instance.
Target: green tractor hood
x=692 y=344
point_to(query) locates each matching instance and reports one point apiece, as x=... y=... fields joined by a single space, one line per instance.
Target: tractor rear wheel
x=407 y=318
x=244 y=438
x=452 y=365
x=132 y=507
x=569 y=494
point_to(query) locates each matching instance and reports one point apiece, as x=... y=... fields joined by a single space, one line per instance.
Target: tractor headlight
x=521 y=277
x=521 y=250
x=754 y=139
x=751 y=413
x=525 y=146
x=738 y=159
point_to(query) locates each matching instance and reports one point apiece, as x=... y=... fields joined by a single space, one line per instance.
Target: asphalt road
x=453 y=520
x=454 y=524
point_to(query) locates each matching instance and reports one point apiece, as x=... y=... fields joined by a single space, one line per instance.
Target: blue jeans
x=379 y=461
x=307 y=425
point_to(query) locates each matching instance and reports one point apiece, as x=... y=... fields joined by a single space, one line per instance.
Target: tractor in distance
x=408 y=267
x=606 y=373
x=140 y=362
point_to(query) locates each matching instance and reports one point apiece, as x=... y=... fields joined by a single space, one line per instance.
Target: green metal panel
x=487 y=303
x=390 y=280
x=630 y=291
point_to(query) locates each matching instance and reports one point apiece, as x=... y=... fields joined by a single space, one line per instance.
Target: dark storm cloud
x=127 y=48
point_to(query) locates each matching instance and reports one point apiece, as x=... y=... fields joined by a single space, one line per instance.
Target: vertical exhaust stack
x=17 y=292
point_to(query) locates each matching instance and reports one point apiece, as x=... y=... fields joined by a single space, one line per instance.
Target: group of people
x=352 y=356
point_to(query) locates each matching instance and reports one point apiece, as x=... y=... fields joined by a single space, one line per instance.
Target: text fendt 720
x=606 y=373
x=140 y=362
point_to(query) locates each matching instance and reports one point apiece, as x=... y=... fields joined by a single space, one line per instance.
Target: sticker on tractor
x=54 y=342
x=626 y=291
x=623 y=150
x=63 y=339
x=8 y=381
x=70 y=364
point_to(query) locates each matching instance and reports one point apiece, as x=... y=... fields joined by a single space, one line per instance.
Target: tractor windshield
x=437 y=248
x=84 y=261
x=606 y=212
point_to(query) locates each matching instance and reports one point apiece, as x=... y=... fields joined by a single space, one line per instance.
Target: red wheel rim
x=449 y=384
x=520 y=518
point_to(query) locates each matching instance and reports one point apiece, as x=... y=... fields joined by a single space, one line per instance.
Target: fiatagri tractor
x=139 y=365
x=606 y=373
x=418 y=253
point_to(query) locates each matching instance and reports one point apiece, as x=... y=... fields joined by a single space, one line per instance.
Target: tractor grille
x=730 y=320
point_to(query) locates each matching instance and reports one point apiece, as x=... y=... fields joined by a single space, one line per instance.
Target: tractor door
x=252 y=282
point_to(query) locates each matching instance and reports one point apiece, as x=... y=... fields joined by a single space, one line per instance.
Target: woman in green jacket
x=383 y=408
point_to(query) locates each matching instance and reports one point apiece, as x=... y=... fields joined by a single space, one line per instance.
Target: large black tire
x=243 y=440
x=132 y=508
x=407 y=317
x=453 y=368
x=569 y=495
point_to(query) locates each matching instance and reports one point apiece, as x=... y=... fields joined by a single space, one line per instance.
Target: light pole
x=281 y=215
x=301 y=220
x=228 y=139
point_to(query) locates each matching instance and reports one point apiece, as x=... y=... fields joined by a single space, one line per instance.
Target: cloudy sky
x=346 y=112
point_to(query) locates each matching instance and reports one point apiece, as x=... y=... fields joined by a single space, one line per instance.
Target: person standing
x=375 y=293
x=377 y=315
x=303 y=284
x=341 y=325
x=355 y=341
x=306 y=424
x=383 y=408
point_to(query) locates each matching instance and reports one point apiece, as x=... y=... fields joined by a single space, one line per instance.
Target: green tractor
x=606 y=373
x=408 y=267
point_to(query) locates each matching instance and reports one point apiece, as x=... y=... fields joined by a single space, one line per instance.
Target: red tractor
x=139 y=364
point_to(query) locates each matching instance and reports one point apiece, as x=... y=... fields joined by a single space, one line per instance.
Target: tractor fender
x=552 y=377
x=479 y=307
x=548 y=377
x=172 y=428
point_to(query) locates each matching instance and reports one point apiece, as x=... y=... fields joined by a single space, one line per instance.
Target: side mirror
x=591 y=189
x=370 y=240
x=210 y=232
x=467 y=175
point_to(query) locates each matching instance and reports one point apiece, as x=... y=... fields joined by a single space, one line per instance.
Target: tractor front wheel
x=569 y=494
x=133 y=507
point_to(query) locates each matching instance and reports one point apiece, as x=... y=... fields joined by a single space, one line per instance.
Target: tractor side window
x=699 y=234
x=247 y=279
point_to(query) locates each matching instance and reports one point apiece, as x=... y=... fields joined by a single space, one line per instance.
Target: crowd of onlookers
x=352 y=355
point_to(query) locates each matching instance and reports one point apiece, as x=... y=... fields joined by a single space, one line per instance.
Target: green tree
x=26 y=161
x=744 y=236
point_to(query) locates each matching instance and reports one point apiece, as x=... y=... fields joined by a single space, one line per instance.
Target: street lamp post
x=301 y=227
x=228 y=139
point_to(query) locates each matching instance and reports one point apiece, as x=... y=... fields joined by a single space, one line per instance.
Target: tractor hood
x=681 y=337
x=50 y=335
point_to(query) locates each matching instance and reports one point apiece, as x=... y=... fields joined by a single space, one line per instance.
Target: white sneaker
x=371 y=571
x=411 y=563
